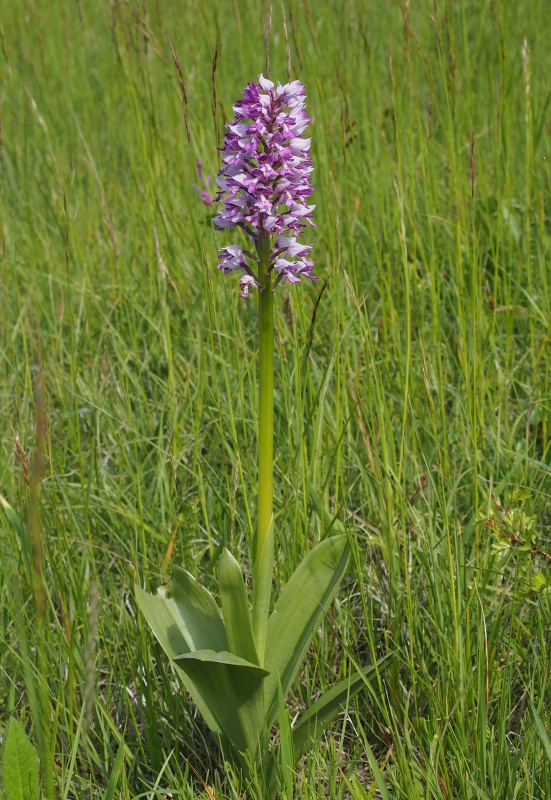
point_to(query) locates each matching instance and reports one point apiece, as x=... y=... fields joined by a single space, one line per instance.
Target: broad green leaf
x=298 y=613
x=171 y=638
x=262 y=592
x=235 y=608
x=162 y=622
x=195 y=611
x=20 y=777
x=231 y=689
x=223 y=657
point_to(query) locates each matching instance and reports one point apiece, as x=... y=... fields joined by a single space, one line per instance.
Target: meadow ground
x=413 y=384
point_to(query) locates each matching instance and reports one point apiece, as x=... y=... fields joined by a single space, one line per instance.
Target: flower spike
x=265 y=181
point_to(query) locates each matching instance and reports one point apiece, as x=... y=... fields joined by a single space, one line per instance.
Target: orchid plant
x=238 y=665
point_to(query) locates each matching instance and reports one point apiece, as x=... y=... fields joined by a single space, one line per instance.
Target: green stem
x=266 y=399
x=264 y=545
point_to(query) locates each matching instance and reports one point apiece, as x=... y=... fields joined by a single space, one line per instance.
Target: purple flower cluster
x=265 y=182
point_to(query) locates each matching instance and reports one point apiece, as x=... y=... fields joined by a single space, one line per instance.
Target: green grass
x=412 y=382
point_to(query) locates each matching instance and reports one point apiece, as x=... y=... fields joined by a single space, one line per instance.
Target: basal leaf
x=171 y=638
x=20 y=777
x=298 y=613
x=162 y=622
x=231 y=689
x=223 y=657
x=196 y=612
x=235 y=608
